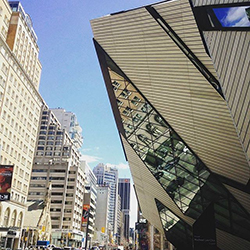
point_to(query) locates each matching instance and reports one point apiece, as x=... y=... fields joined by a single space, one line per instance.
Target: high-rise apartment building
x=57 y=161
x=109 y=176
x=69 y=122
x=177 y=75
x=124 y=192
x=20 y=105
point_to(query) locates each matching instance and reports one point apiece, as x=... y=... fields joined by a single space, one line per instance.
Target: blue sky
x=71 y=76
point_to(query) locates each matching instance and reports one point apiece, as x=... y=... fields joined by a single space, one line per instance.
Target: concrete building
x=109 y=176
x=57 y=161
x=177 y=75
x=102 y=209
x=69 y=122
x=20 y=105
x=124 y=193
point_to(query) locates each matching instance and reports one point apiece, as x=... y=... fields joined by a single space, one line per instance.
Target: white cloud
x=237 y=15
x=118 y=166
x=86 y=149
x=242 y=23
x=90 y=158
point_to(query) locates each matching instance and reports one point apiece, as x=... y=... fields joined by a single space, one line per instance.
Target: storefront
x=64 y=237
x=9 y=237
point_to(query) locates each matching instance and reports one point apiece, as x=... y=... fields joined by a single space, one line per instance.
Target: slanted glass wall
x=177 y=231
x=180 y=172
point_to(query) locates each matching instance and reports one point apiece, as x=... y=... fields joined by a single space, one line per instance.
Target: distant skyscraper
x=124 y=192
x=109 y=176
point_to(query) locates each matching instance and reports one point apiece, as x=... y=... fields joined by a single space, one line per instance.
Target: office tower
x=102 y=209
x=20 y=105
x=90 y=197
x=99 y=171
x=109 y=176
x=124 y=192
x=69 y=122
x=57 y=161
x=177 y=75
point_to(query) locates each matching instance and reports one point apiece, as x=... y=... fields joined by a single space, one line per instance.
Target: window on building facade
x=6 y=217
x=20 y=220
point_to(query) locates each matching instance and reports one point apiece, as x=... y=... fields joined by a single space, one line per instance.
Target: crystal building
x=177 y=76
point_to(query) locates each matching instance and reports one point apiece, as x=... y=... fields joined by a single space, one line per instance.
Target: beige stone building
x=20 y=104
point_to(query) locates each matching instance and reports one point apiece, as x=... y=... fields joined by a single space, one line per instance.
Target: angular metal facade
x=179 y=131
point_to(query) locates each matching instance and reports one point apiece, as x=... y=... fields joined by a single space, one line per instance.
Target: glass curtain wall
x=184 y=177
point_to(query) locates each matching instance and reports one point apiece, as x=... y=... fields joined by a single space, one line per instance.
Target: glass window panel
x=240 y=222
x=185 y=191
x=242 y=231
x=178 y=232
x=235 y=208
x=193 y=212
x=204 y=174
x=223 y=221
x=233 y=16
